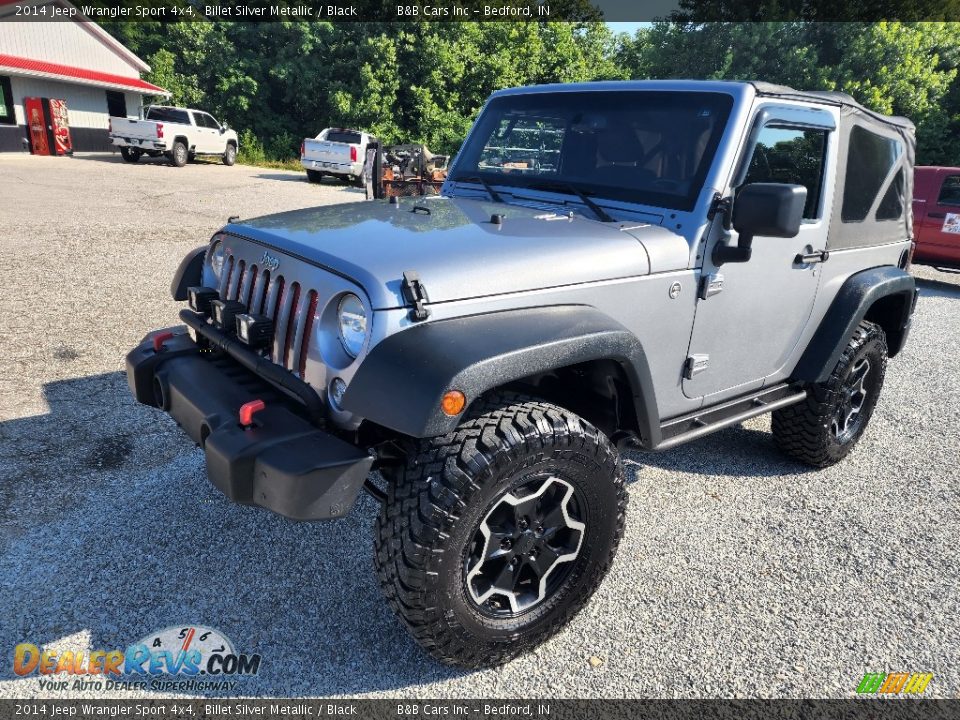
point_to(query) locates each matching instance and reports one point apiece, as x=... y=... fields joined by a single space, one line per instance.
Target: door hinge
x=694 y=365
x=415 y=293
x=711 y=285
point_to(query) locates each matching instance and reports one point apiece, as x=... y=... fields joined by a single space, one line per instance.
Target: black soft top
x=831 y=97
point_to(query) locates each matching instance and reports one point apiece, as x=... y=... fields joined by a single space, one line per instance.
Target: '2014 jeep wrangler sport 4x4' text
x=609 y=264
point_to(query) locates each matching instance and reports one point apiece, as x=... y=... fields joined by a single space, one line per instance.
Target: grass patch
x=273 y=164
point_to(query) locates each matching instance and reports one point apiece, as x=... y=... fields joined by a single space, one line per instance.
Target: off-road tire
x=130 y=155
x=427 y=526
x=179 y=154
x=806 y=431
x=230 y=155
x=314 y=176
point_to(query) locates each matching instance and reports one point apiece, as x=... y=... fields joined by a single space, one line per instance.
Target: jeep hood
x=453 y=245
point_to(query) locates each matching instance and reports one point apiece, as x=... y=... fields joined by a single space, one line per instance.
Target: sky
x=627 y=27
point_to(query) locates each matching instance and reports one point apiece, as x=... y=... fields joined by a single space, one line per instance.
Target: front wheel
x=230 y=155
x=824 y=428
x=130 y=155
x=498 y=533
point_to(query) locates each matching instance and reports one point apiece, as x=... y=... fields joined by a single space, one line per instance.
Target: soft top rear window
x=341 y=136
x=170 y=115
x=649 y=147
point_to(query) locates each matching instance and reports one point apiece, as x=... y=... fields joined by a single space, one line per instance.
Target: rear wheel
x=230 y=155
x=130 y=155
x=498 y=533
x=824 y=428
x=314 y=176
x=179 y=154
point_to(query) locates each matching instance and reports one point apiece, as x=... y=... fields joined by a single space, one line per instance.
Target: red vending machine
x=48 y=126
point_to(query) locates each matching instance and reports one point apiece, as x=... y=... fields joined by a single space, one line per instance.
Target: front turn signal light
x=453 y=402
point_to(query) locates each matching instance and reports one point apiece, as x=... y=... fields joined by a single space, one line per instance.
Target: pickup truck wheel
x=230 y=156
x=314 y=176
x=179 y=154
x=130 y=155
x=824 y=428
x=498 y=533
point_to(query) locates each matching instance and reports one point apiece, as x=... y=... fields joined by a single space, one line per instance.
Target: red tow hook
x=159 y=339
x=247 y=411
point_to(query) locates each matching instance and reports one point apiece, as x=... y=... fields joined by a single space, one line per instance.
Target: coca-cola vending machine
x=48 y=126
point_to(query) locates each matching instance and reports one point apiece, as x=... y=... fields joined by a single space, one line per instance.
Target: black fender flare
x=401 y=382
x=189 y=273
x=853 y=304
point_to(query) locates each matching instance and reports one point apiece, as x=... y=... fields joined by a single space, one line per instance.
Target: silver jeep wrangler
x=609 y=265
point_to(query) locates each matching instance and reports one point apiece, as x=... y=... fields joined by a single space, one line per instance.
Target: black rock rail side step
x=704 y=421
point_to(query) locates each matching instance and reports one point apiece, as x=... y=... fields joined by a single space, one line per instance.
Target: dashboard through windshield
x=647 y=147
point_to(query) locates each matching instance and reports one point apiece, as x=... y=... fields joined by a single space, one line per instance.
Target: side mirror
x=766 y=209
x=224 y=128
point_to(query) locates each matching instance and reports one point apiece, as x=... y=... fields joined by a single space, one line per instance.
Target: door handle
x=820 y=256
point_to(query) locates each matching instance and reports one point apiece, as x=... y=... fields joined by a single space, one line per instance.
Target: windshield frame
x=468 y=167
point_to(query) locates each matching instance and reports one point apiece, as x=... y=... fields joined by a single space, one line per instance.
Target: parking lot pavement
x=741 y=573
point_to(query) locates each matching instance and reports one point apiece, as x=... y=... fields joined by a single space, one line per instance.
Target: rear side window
x=170 y=115
x=869 y=159
x=792 y=156
x=339 y=136
x=891 y=207
x=950 y=192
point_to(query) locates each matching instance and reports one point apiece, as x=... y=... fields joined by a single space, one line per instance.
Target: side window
x=794 y=156
x=7 y=115
x=211 y=123
x=950 y=192
x=891 y=207
x=200 y=120
x=869 y=159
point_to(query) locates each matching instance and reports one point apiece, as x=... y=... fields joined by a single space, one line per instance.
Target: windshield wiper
x=574 y=190
x=494 y=195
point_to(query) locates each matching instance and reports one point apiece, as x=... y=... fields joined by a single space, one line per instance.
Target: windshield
x=646 y=147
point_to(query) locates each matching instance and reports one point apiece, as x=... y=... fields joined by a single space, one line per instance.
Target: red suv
x=936 y=216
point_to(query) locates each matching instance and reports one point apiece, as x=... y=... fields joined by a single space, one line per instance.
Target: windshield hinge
x=416 y=294
x=720 y=206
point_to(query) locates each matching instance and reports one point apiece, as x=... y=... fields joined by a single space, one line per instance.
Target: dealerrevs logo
x=189 y=657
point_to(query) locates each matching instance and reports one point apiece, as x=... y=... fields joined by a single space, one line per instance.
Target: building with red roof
x=49 y=49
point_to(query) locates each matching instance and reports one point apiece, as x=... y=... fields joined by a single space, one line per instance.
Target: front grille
x=291 y=307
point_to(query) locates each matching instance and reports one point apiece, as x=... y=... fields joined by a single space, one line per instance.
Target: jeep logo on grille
x=269 y=262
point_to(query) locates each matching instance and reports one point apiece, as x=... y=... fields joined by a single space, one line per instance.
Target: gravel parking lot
x=741 y=573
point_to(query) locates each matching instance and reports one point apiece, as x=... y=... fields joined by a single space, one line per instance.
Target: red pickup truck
x=936 y=216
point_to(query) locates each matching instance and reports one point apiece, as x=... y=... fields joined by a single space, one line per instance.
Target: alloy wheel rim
x=853 y=395
x=522 y=550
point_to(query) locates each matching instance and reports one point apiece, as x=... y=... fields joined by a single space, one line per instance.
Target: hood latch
x=415 y=293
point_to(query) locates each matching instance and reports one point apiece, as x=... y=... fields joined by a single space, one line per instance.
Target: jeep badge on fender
x=609 y=264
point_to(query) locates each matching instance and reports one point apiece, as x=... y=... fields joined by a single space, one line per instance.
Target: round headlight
x=216 y=259
x=352 y=318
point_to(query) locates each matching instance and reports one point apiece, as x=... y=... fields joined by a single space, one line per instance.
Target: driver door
x=750 y=315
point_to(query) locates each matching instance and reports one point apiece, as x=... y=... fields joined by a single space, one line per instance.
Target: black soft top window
x=343 y=136
x=870 y=158
x=647 y=147
x=170 y=115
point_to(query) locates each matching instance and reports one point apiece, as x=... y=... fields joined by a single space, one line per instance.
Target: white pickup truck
x=339 y=152
x=179 y=133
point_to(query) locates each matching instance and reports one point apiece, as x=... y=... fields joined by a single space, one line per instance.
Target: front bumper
x=282 y=462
